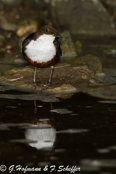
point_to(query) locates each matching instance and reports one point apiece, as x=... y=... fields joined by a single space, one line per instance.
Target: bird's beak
x=57 y=35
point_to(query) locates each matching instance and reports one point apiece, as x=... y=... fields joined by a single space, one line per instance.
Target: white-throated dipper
x=42 y=49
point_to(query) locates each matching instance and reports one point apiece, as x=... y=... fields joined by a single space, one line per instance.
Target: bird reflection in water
x=42 y=132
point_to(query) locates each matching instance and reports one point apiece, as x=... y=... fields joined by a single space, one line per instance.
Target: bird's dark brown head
x=47 y=29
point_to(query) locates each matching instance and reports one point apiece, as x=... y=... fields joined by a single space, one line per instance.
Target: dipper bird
x=42 y=49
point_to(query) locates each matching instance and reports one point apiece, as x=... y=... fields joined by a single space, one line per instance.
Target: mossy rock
x=93 y=63
x=65 y=78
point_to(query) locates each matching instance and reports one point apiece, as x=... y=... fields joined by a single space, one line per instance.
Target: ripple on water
x=99 y=162
x=103 y=150
x=72 y=131
x=6 y=126
x=61 y=111
x=107 y=101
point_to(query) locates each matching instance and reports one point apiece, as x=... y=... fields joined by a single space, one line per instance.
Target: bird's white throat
x=46 y=38
x=42 y=49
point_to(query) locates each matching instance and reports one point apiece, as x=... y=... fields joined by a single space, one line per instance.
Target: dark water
x=82 y=136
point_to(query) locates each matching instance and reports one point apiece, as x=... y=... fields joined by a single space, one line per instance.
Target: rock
x=67 y=45
x=65 y=88
x=105 y=92
x=82 y=17
x=29 y=97
x=25 y=26
x=78 y=46
x=77 y=79
x=6 y=25
x=91 y=61
x=4 y=67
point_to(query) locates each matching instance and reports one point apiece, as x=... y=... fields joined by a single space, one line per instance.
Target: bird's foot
x=46 y=86
x=35 y=85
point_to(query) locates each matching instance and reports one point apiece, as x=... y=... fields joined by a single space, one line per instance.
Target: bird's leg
x=34 y=78
x=35 y=107
x=50 y=78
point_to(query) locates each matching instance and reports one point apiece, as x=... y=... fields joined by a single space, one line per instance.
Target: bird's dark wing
x=57 y=45
x=26 y=42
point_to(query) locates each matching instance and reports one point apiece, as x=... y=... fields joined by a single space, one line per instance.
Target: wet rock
x=91 y=61
x=65 y=88
x=77 y=79
x=64 y=95
x=81 y=17
x=4 y=67
x=26 y=26
x=6 y=25
x=41 y=97
x=105 y=92
x=67 y=45
x=110 y=74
